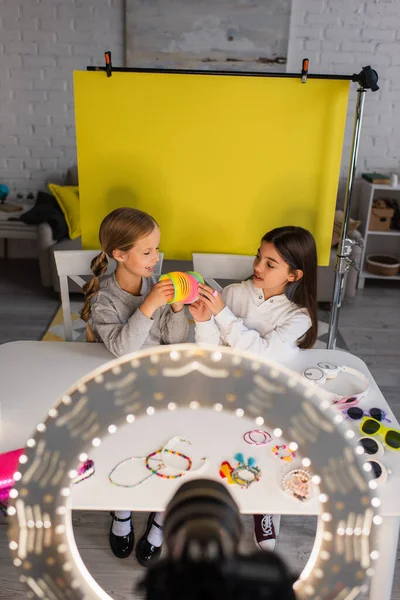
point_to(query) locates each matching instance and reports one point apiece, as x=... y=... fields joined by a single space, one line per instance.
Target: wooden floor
x=370 y=326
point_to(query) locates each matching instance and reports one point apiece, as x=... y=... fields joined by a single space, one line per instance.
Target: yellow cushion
x=67 y=197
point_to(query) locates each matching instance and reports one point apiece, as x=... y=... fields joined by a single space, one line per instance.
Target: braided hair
x=119 y=230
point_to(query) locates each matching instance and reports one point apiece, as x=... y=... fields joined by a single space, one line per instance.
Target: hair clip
x=298 y=484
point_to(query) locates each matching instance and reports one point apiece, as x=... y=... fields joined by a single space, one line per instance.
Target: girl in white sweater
x=273 y=315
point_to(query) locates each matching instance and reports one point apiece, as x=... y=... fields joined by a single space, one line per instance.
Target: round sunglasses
x=391 y=437
x=371 y=447
x=377 y=470
x=355 y=412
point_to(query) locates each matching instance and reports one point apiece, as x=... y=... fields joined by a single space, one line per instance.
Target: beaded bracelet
x=164 y=466
x=255 y=471
x=161 y=465
x=283 y=452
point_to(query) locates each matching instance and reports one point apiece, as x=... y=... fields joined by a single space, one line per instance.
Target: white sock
x=277 y=523
x=119 y=528
x=155 y=536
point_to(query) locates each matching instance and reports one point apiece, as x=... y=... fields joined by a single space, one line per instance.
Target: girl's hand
x=158 y=296
x=211 y=298
x=199 y=311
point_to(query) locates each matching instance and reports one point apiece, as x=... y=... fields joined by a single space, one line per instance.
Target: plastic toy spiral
x=186 y=286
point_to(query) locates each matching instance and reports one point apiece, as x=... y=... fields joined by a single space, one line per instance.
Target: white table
x=16 y=230
x=35 y=374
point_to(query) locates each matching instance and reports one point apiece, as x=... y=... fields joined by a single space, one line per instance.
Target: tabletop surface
x=34 y=375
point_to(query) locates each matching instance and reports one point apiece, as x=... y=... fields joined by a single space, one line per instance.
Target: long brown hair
x=119 y=230
x=297 y=248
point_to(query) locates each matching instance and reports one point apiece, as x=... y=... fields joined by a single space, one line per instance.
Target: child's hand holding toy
x=200 y=311
x=211 y=298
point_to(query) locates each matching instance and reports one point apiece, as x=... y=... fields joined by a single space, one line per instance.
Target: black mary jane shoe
x=121 y=545
x=146 y=553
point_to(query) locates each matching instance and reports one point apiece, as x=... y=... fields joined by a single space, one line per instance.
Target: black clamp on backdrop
x=367 y=78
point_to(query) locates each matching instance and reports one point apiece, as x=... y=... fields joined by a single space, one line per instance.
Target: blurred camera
x=202 y=531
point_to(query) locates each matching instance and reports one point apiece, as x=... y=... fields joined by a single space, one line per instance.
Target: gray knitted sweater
x=117 y=322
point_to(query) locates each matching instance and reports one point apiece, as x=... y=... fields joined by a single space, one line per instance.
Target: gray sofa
x=47 y=245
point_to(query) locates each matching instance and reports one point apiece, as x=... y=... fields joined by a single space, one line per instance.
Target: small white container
x=394 y=180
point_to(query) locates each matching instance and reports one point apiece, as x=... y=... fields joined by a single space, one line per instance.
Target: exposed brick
x=378 y=34
x=34 y=141
x=15 y=151
x=63 y=141
x=43 y=41
x=54 y=49
x=29 y=96
x=350 y=46
x=41 y=152
x=38 y=36
x=48 y=84
x=365 y=36
x=39 y=61
x=21 y=47
x=342 y=33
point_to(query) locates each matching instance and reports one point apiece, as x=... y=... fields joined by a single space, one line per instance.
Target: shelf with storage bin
x=376 y=242
x=384 y=232
x=367 y=275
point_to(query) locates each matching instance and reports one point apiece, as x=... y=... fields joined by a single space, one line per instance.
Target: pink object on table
x=9 y=462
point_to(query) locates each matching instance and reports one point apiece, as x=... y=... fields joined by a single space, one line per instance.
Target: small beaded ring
x=283 y=452
x=164 y=466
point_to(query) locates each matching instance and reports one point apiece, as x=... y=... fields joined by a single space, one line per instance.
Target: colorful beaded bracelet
x=255 y=471
x=164 y=466
x=283 y=452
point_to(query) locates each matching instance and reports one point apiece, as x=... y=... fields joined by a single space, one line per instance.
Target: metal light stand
x=368 y=80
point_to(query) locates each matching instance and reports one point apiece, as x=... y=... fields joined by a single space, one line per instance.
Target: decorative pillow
x=47 y=210
x=337 y=227
x=67 y=197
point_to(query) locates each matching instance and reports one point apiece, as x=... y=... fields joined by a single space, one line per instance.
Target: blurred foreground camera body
x=202 y=530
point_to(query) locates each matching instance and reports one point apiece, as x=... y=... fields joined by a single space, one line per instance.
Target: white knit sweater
x=269 y=328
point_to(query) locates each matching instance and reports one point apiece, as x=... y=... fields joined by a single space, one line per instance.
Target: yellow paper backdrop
x=217 y=160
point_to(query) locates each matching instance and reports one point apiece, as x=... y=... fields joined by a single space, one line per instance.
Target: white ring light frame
x=40 y=538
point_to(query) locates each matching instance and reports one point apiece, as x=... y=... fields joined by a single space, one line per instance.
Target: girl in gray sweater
x=129 y=311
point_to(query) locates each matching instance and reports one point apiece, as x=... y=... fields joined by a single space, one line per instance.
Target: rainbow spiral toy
x=186 y=286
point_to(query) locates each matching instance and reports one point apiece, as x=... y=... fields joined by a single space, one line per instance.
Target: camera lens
x=204 y=512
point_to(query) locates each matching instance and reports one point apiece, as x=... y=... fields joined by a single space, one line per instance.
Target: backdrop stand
x=367 y=79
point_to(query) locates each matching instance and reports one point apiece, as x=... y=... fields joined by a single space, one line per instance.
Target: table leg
x=382 y=581
x=5 y=247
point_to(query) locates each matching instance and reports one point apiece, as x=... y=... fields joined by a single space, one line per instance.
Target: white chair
x=74 y=264
x=222 y=266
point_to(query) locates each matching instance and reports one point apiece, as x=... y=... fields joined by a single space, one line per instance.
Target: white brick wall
x=41 y=42
x=341 y=36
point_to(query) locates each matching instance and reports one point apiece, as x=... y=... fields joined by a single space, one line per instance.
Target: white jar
x=394 y=180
